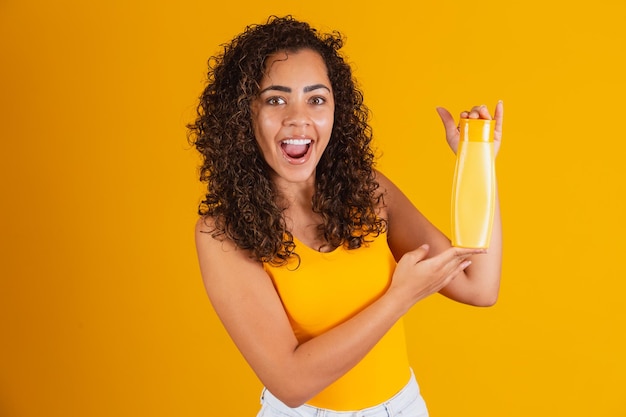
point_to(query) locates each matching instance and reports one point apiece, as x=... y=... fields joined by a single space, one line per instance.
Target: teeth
x=297 y=141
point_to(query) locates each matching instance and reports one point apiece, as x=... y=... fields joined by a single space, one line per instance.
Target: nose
x=296 y=115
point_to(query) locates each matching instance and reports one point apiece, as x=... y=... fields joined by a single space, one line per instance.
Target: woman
x=310 y=256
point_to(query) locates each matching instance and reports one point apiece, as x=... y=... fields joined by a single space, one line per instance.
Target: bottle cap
x=477 y=130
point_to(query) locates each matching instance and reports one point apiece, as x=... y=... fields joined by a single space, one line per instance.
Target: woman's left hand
x=477 y=112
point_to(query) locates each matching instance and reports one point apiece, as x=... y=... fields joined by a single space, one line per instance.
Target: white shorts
x=408 y=402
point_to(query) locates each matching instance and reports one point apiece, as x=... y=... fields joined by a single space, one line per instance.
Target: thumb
x=419 y=254
x=447 y=119
x=452 y=132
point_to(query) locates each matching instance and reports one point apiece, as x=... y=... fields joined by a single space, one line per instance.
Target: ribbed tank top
x=326 y=289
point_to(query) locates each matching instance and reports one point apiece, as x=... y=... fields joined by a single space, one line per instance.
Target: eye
x=275 y=100
x=317 y=100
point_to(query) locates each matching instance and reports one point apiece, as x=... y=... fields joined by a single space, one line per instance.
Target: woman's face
x=293 y=115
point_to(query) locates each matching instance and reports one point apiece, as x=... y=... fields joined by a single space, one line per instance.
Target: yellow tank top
x=329 y=288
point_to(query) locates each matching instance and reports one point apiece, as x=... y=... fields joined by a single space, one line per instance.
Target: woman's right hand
x=417 y=276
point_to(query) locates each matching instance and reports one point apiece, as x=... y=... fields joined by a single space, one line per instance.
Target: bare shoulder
x=387 y=190
x=205 y=226
x=205 y=229
x=382 y=180
x=222 y=263
x=210 y=240
x=392 y=195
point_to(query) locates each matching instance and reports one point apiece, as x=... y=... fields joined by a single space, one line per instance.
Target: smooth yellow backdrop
x=102 y=309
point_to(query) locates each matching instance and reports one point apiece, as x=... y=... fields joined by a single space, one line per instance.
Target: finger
x=461 y=259
x=446 y=118
x=456 y=256
x=448 y=261
x=473 y=113
x=498 y=115
x=479 y=112
x=418 y=254
x=483 y=112
x=461 y=252
x=459 y=268
x=465 y=264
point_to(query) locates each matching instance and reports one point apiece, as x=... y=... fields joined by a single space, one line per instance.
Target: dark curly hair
x=240 y=197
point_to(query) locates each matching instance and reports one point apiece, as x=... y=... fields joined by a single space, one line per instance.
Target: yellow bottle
x=474 y=185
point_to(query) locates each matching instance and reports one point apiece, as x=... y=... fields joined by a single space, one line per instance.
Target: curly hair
x=241 y=197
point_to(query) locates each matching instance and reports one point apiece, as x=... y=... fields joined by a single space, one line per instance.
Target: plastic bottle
x=474 y=185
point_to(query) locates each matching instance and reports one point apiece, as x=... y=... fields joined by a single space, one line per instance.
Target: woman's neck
x=295 y=194
x=301 y=220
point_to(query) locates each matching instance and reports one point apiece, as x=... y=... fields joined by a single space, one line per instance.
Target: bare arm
x=479 y=283
x=251 y=311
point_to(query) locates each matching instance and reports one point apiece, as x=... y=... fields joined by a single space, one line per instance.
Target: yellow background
x=102 y=310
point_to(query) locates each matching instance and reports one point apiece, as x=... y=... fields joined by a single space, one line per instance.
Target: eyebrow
x=284 y=89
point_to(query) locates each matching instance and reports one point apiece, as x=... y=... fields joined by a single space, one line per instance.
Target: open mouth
x=295 y=148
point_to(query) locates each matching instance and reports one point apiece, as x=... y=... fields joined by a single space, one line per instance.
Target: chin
x=295 y=174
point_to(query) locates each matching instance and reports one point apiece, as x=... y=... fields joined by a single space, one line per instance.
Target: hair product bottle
x=474 y=185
